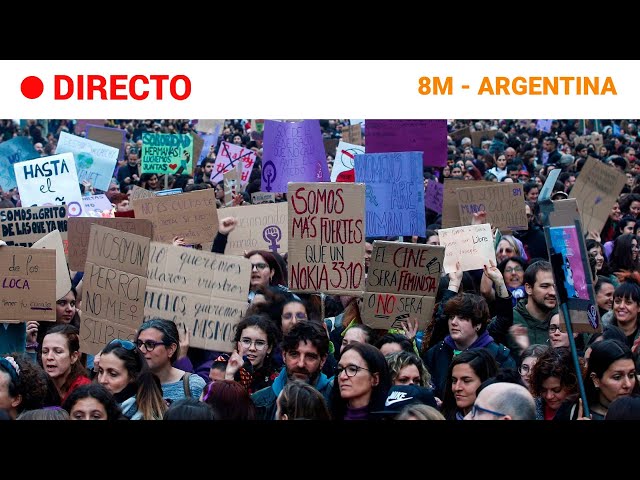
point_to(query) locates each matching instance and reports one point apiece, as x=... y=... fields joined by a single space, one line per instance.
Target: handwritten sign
x=114 y=137
x=458 y=135
x=204 y=292
x=427 y=136
x=27 y=285
x=503 y=203
x=433 y=196
x=594 y=138
x=260 y=227
x=229 y=157
x=326 y=237
x=50 y=180
x=138 y=193
x=389 y=310
x=95 y=162
x=544 y=125
x=343 y=165
x=25 y=226
x=53 y=241
x=192 y=216
x=394 y=193
x=80 y=229
x=113 y=287
x=479 y=136
x=596 y=190
x=450 y=209
x=258 y=198
x=471 y=245
x=166 y=153
x=293 y=152
x=14 y=151
x=98 y=206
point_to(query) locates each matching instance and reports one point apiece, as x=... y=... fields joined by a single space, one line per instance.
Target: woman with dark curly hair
x=23 y=384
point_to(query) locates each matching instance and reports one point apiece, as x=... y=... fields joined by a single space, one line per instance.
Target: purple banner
x=433 y=196
x=427 y=136
x=293 y=152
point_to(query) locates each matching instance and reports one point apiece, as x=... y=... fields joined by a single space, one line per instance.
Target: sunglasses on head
x=126 y=344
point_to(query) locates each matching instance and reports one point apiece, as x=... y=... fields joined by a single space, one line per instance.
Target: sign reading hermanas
x=202 y=291
x=326 y=237
x=115 y=278
x=28 y=281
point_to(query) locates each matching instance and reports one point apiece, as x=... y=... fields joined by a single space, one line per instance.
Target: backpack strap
x=185 y=384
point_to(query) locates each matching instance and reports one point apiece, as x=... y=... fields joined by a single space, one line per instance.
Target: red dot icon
x=32 y=87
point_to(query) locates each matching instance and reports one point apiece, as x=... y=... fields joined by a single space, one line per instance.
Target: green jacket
x=538 y=330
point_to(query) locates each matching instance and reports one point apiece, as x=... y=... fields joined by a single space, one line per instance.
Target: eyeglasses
x=149 y=345
x=259 y=266
x=553 y=328
x=126 y=344
x=524 y=369
x=299 y=315
x=513 y=270
x=476 y=409
x=350 y=370
x=259 y=344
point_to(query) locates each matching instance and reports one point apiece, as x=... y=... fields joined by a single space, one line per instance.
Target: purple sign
x=293 y=152
x=433 y=196
x=427 y=136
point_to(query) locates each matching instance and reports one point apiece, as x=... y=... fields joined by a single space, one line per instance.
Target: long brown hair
x=73 y=343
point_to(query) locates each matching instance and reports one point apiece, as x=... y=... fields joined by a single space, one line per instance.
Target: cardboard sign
x=231 y=156
x=258 y=198
x=595 y=138
x=458 y=135
x=260 y=227
x=82 y=125
x=433 y=195
x=471 y=245
x=113 y=287
x=53 y=241
x=394 y=193
x=478 y=137
x=97 y=206
x=352 y=134
x=293 y=152
x=209 y=126
x=95 y=162
x=330 y=145
x=343 y=165
x=192 y=216
x=28 y=282
x=204 y=292
x=14 y=151
x=114 y=137
x=137 y=193
x=80 y=229
x=166 y=153
x=596 y=190
x=198 y=146
x=25 y=226
x=450 y=210
x=50 y=181
x=389 y=310
x=326 y=237
x=231 y=186
x=503 y=202
x=427 y=136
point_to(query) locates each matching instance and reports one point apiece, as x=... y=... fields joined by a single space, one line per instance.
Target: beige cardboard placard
x=258 y=198
x=596 y=190
x=409 y=268
x=113 y=137
x=204 y=292
x=198 y=144
x=458 y=135
x=595 y=138
x=138 y=193
x=260 y=227
x=330 y=145
x=192 y=216
x=388 y=310
x=471 y=245
x=478 y=137
x=326 y=237
x=27 y=285
x=53 y=240
x=115 y=279
x=450 y=210
x=231 y=186
x=80 y=229
x=503 y=202
x=25 y=226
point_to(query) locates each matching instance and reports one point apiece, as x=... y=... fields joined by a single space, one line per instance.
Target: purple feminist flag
x=427 y=136
x=293 y=152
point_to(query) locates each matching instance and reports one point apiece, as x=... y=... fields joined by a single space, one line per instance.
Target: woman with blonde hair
x=419 y=412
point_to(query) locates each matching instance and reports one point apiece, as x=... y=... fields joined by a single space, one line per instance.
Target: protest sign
x=209 y=126
x=594 y=138
x=503 y=203
x=471 y=245
x=260 y=227
x=326 y=237
x=433 y=195
x=28 y=280
x=166 y=153
x=82 y=125
x=389 y=310
x=97 y=206
x=204 y=292
x=479 y=136
x=25 y=226
x=171 y=191
x=80 y=229
x=394 y=193
x=293 y=152
x=192 y=216
x=114 y=137
x=450 y=209
x=50 y=181
x=113 y=291
x=427 y=136
x=352 y=134
x=330 y=145
x=137 y=193
x=544 y=125
x=231 y=185
x=258 y=198
x=343 y=170
x=53 y=240
x=458 y=135
x=231 y=156
x=14 y=151
x=596 y=190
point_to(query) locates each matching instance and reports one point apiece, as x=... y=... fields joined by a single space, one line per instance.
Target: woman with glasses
x=560 y=338
x=266 y=270
x=528 y=359
x=512 y=271
x=362 y=383
x=158 y=340
x=123 y=371
x=508 y=247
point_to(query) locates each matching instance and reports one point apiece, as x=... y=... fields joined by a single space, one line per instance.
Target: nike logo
x=396 y=400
